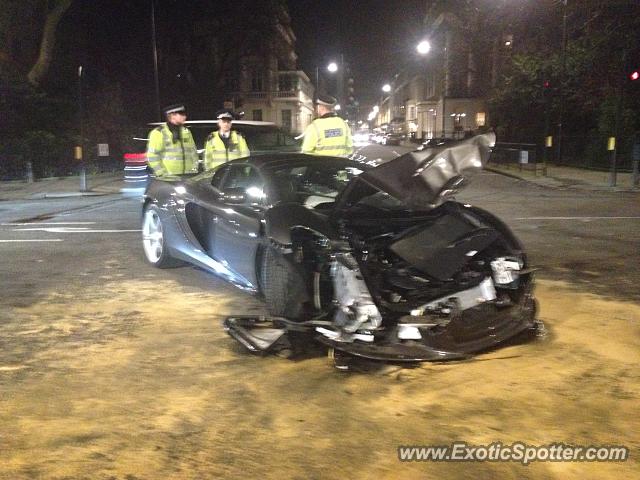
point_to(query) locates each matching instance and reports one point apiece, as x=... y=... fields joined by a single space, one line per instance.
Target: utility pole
x=612 y=147
x=562 y=77
x=341 y=88
x=155 y=58
x=80 y=149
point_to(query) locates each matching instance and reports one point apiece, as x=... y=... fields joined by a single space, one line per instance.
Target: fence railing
x=589 y=152
x=524 y=156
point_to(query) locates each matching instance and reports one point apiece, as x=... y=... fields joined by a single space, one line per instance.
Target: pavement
x=113 y=183
x=567 y=177
x=60 y=187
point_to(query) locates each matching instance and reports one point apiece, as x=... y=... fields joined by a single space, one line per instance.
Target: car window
x=310 y=184
x=218 y=177
x=245 y=177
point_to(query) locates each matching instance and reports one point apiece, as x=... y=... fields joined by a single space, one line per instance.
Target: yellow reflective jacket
x=328 y=135
x=167 y=157
x=216 y=153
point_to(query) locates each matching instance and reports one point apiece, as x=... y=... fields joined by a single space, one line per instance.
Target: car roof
x=215 y=122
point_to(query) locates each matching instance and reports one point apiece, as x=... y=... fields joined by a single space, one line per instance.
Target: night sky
x=376 y=37
x=113 y=40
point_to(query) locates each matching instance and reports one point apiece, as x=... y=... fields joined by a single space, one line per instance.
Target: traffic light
x=635 y=75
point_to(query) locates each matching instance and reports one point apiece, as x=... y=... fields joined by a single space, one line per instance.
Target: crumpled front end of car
x=439 y=287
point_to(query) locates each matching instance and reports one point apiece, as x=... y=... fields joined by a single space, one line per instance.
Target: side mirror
x=234 y=196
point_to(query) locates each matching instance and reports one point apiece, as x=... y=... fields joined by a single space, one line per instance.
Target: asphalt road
x=111 y=369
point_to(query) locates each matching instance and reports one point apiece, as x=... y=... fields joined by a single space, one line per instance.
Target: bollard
x=83 y=180
x=29 y=172
x=548 y=144
x=613 y=174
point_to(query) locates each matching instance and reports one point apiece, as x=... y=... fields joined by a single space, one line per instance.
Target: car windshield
x=311 y=182
x=317 y=183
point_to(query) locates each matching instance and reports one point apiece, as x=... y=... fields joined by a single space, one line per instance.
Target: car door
x=205 y=207
x=236 y=234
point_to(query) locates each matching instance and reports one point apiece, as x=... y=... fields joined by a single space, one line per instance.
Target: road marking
x=48 y=223
x=32 y=240
x=71 y=230
x=577 y=218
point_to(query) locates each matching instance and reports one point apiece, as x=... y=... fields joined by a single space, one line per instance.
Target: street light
x=423 y=47
x=155 y=58
x=332 y=68
x=386 y=88
x=79 y=154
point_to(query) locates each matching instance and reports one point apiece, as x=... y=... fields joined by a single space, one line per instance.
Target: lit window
x=480 y=119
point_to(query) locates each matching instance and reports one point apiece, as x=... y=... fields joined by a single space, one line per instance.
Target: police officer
x=328 y=134
x=171 y=149
x=224 y=144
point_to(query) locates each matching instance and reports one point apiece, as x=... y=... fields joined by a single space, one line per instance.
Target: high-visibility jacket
x=215 y=151
x=328 y=135
x=167 y=157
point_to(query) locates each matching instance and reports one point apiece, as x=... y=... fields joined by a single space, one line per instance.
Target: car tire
x=154 y=241
x=283 y=286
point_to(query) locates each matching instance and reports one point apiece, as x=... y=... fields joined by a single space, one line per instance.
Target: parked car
x=262 y=137
x=376 y=262
x=378 y=137
x=434 y=143
x=392 y=139
x=361 y=138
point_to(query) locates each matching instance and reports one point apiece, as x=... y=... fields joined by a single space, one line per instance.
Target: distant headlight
x=359 y=137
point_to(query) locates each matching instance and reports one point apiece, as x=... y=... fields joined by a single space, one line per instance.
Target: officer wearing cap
x=224 y=144
x=328 y=134
x=171 y=149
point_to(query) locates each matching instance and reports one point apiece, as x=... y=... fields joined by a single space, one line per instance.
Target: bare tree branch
x=40 y=68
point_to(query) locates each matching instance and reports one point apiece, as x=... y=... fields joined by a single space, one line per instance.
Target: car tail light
x=135 y=168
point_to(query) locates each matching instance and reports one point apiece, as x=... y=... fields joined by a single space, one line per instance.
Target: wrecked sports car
x=374 y=261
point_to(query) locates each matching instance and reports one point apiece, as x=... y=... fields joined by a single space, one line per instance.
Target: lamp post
x=155 y=58
x=331 y=68
x=79 y=154
x=562 y=75
x=424 y=48
x=386 y=88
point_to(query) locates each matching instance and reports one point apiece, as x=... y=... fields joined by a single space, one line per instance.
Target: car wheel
x=153 y=240
x=283 y=286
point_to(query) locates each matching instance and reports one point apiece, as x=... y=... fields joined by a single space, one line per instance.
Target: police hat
x=175 y=108
x=326 y=100
x=224 y=114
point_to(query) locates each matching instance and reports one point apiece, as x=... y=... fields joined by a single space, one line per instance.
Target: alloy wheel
x=152 y=236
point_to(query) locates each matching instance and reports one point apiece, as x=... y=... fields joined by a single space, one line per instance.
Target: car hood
x=426 y=178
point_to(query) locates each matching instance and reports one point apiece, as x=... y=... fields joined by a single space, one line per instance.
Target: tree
x=55 y=12
x=601 y=36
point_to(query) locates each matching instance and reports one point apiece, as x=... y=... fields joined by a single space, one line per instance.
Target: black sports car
x=375 y=260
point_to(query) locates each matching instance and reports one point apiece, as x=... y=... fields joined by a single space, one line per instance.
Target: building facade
x=445 y=94
x=235 y=57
